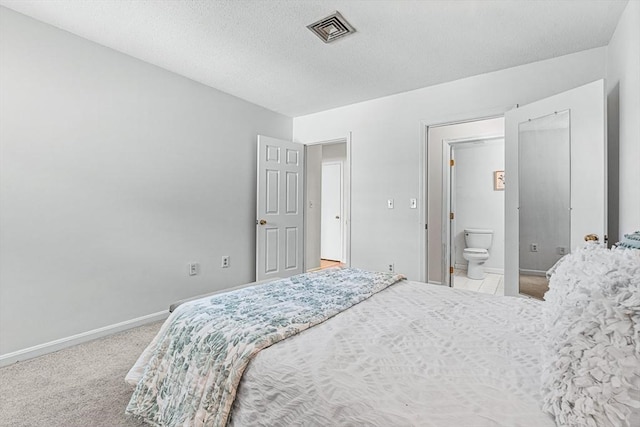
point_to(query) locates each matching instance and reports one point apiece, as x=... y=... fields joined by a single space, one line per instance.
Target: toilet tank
x=478 y=238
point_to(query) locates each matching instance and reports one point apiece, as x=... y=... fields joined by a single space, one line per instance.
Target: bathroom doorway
x=476 y=207
x=445 y=232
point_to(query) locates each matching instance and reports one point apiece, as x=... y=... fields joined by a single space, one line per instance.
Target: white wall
x=114 y=174
x=436 y=218
x=334 y=152
x=313 y=208
x=477 y=204
x=387 y=134
x=623 y=88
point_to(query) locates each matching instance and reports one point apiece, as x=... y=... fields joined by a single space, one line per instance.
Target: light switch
x=413 y=203
x=390 y=203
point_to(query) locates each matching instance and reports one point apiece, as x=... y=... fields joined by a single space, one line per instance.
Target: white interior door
x=332 y=215
x=587 y=156
x=280 y=198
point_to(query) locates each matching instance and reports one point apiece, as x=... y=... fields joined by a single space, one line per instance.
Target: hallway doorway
x=327 y=205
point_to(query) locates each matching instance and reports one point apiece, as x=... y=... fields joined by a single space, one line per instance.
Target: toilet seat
x=475 y=252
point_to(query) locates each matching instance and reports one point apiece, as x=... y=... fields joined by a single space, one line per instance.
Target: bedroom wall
x=387 y=134
x=623 y=96
x=114 y=174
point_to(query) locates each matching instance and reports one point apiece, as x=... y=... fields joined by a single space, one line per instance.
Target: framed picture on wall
x=498 y=180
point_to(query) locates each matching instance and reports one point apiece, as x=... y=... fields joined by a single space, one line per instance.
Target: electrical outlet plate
x=226 y=259
x=533 y=247
x=391 y=268
x=193 y=268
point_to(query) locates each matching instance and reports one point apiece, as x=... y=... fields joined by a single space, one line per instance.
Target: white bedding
x=414 y=354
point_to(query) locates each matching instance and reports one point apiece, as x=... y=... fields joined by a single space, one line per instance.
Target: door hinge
x=450 y=215
x=426 y=227
x=450 y=270
x=452 y=162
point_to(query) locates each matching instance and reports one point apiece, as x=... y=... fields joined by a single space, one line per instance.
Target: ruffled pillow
x=591 y=354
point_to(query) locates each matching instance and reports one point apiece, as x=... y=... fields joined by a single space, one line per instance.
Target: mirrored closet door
x=544 y=198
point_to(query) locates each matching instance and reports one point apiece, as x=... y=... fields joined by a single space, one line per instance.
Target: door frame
x=448 y=199
x=446 y=120
x=346 y=173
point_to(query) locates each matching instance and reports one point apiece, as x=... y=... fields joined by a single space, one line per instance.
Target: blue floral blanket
x=200 y=354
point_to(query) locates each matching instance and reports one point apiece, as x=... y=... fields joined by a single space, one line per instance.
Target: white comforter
x=412 y=355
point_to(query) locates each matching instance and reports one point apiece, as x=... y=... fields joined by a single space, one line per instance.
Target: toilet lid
x=475 y=251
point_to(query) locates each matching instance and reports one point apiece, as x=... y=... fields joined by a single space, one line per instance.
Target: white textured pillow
x=591 y=355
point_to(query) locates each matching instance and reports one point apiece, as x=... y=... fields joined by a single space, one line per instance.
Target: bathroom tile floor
x=492 y=283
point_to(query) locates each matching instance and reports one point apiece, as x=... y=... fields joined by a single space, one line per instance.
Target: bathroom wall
x=477 y=204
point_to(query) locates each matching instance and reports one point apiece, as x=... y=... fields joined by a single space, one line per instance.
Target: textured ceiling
x=261 y=51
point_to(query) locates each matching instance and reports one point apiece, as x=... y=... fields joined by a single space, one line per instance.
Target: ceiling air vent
x=331 y=28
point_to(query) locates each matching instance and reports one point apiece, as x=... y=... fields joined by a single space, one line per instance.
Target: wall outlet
x=533 y=247
x=391 y=268
x=562 y=250
x=390 y=203
x=225 y=261
x=193 y=268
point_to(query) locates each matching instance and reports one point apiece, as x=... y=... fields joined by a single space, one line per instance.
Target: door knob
x=262 y=222
x=591 y=237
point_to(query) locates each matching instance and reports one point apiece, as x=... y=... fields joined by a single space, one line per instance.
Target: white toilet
x=478 y=242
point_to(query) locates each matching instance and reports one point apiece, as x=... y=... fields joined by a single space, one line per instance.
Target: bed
x=408 y=354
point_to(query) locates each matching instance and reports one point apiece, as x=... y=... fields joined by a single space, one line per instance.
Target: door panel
x=292 y=193
x=587 y=160
x=291 y=248
x=272 y=186
x=270 y=254
x=279 y=220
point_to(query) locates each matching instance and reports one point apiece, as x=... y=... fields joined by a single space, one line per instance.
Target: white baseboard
x=533 y=272
x=51 y=346
x=491 y=270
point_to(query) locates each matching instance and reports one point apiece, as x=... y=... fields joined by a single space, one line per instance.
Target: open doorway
x=327 y=205
x=462 y=161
